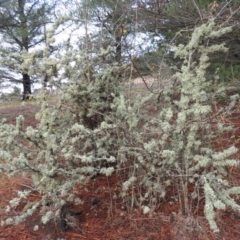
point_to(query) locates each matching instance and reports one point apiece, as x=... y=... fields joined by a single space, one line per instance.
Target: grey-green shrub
x=95 y=129
x=177 y=146
x=74 y=139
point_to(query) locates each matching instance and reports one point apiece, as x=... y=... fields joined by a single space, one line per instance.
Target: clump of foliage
x=95 y=129
x=73 y=140
x=177 y=147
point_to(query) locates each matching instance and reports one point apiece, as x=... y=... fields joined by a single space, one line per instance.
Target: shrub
x=72 y=142
x=177 y=147
x=95 y=129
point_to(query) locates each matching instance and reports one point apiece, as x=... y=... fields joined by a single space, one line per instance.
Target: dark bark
x=118 y=55
x=63 y=225
x=26 y=86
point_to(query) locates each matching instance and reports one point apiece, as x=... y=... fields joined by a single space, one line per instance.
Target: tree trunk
x=24 y=45
x=26 y=86
x=118 y=55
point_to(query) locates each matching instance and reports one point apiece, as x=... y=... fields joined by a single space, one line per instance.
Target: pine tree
x=22 y=28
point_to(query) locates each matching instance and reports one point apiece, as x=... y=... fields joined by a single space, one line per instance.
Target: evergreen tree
x=114 y=22
x=173 y=22
x=22 y=28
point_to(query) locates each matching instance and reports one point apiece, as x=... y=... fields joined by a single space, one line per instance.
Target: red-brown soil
x=110 y=218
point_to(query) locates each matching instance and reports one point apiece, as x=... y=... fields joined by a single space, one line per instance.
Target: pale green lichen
x=95 y=129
